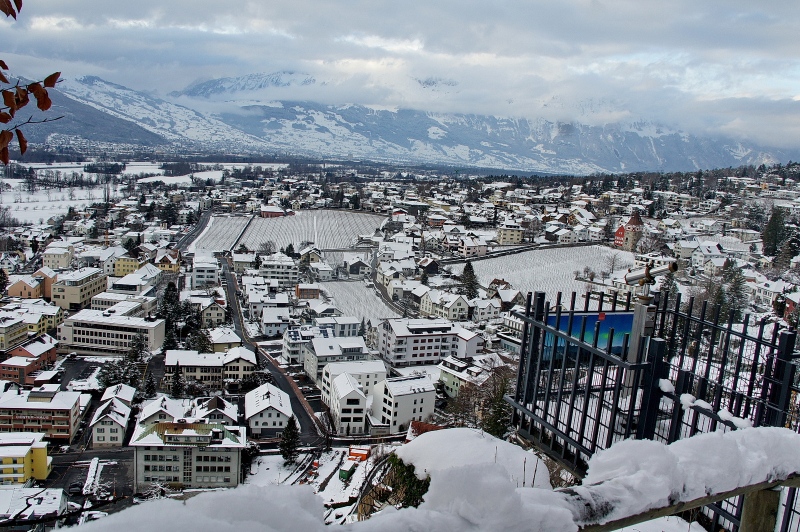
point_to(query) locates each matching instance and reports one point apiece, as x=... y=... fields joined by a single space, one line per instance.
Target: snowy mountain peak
x=247 y=83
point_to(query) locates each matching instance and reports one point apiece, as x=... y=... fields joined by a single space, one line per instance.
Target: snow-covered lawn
x=38 y=206
x=548 y=270
x=354 y=298
x=334 y=229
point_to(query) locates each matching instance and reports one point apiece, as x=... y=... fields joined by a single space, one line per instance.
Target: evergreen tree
x=138 y=350
x=201 y=342
x=3 y=280
x=170 y=305
x=496 y=413
x=669 y=286
x=170 y=341
x=110 y=374
x=178 y=382
x=787 y=250
x=774 y=232
x=132 y=376
x=290 y=251
x=150 y=386
x=469 y=281
x=736 y=290
x=424 y=278
x=257 y=262
x=290 y=441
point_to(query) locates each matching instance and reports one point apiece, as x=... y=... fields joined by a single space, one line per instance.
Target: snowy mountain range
x=237 y=115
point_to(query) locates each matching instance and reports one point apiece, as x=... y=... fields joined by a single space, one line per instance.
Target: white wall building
x=348 y=405
x=400 y=400
x=267 y=410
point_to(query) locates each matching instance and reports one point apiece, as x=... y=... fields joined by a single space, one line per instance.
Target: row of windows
x=162 y=468
x=212 y=458
x=160 y=458
x=103 y=438
x=100 y=430
x=212 y=469
x=355 y=420
x=167 y=478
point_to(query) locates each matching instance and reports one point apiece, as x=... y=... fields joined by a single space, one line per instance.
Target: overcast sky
x=720 y=66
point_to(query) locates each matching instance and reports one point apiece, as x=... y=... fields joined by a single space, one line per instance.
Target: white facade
x=368 y=373
x=267 y=410
x=280 y=267
x=415 y=342
x=348 y=406
x=321 y=351
x=400 y=400
x=205 y=272
x=95 y=332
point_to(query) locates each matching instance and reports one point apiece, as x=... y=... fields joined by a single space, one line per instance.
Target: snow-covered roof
x=205 y=405
x=240 y=352
x=266 y=396
x=411 y=384
x=120 y=391
x=345 y=385
x=224 y=335
x=113 y=409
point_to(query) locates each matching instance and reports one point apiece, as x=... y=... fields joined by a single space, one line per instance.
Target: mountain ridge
x=407 y=136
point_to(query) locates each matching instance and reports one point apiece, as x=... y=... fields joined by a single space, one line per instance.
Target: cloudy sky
x=721 y=66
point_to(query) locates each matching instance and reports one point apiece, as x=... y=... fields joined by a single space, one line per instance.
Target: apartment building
x=348 y=405
x=280 y=267
x=205 y=272
x=342 y=326
x=367 y=373
x=127 y=265
x=45 y=409
x=109 y=423
x=23 y=458
x=75 y=290
x=295 y=339
x=210 y=369
x=400 y=400
x=509 y=233
x=321 y=351
x=187 y=453
x=412 y=342
x=57 y=256
x=13 y=330
x=96 y=332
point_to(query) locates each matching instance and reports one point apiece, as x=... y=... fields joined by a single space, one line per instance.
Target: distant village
x=159 y=323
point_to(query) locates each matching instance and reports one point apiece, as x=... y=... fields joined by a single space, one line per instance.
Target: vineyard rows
x=334 y=229
x=354 y=298
x=220 y=234
x=549 y=270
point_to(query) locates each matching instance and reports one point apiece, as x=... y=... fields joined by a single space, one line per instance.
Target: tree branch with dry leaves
x=17 y=96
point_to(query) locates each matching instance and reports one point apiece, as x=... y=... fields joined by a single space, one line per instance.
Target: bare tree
x=267 y=247
x=614 y=261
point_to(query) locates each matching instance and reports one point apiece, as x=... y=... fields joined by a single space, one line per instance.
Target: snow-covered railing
x=636 y=481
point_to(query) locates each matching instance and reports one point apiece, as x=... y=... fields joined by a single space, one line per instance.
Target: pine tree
x=257 y=262
x=170 y=341
x=138 y=350
x=424 y=278
x=290 y=441
x=774 y=232
x=150 y=388
x=110 y=374
x=201 y=342
x=178 y=382
x=3 y=280
x=470 y=281
x=669 y=286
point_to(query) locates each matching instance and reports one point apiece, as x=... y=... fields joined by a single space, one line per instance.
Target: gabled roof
x=113 y=409
x=205 y=405
x=122 y=392
x=266 y=396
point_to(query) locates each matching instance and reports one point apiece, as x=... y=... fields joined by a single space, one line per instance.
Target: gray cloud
x=719 y=67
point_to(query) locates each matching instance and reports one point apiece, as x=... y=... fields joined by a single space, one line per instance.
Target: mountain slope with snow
x=244 y=120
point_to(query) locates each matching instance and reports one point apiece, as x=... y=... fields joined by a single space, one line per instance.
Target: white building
x=187 y=453
x=267 y=410
x=368 y=373
x=415 y=342
x=295 y=339
x=96 y=332
x=400 y=400
x=340 y=325
x=280 y=267
x=274 y=321
x=321 y=351
x=109 y=423
x=205 y=272
x=348 y=405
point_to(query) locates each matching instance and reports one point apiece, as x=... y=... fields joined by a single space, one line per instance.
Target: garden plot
x=220 y=234
x=354 y=298
x=549 y=270
x=327 y=229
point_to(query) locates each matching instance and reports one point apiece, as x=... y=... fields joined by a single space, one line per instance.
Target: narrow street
x=308 y=430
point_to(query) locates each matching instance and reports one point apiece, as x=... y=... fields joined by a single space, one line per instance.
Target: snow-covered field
x=548 y=270
x=220 y=234
x=334 y=229
x=354 y=298
x=40 y=205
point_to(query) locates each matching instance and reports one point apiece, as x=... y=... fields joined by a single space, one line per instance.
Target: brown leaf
x=3 y=78
x=36 y=89
x=23 y=142
x=3 y=65
x=5 y=138
x=18 y=3
x=4 y=155
x=22 y=97
x=44 y=102
x=52 y=79
x=9 y=99
x=8 y=9
x=5 y=118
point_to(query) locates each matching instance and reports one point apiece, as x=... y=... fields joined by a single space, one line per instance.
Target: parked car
x=76 y=488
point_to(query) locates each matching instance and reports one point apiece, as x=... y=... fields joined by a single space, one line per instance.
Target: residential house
x=267 y=410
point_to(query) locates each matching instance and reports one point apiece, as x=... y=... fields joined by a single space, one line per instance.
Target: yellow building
x=125 y=265
x=23 y=456
x=13 y=330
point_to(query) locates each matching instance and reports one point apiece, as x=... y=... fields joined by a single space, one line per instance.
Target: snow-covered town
x=337 y=346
